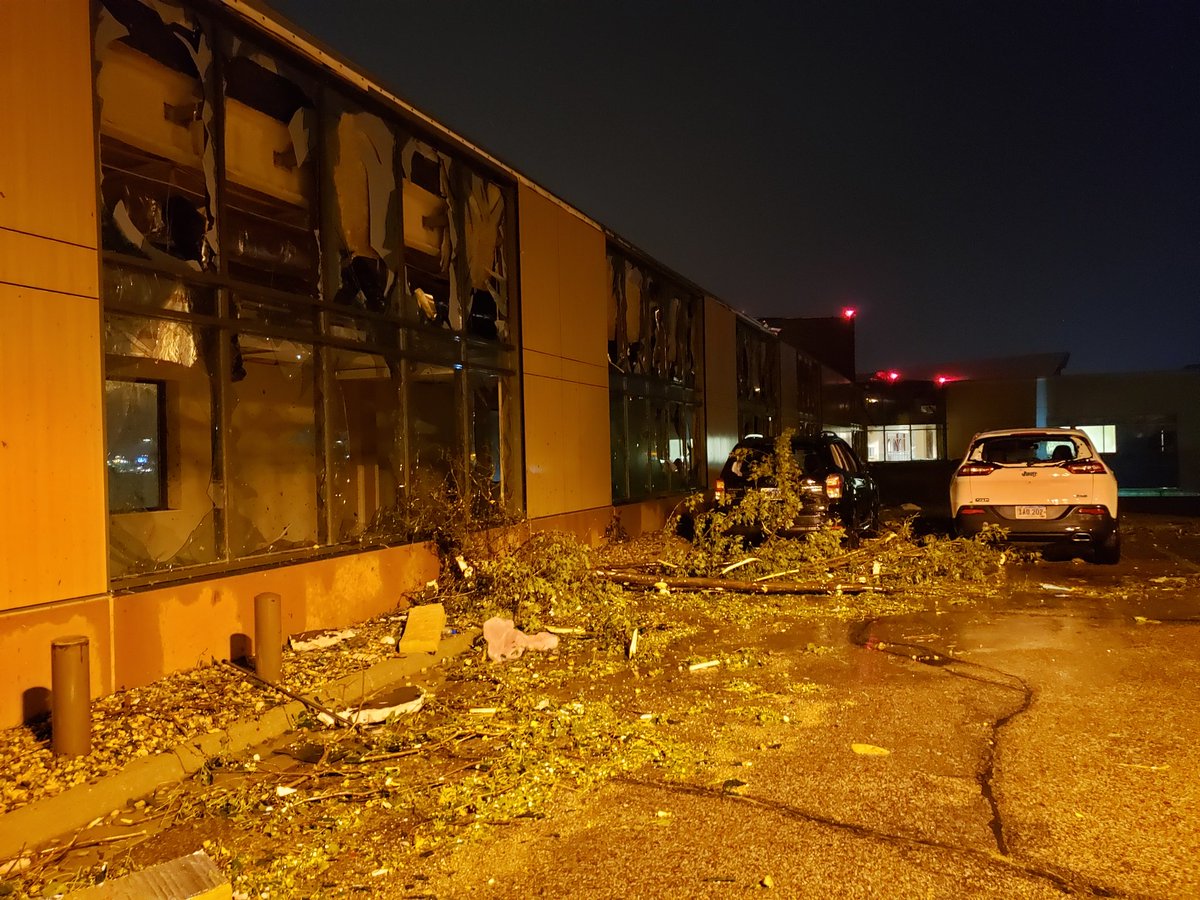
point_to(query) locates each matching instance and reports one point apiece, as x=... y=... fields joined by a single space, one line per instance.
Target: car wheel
x=1108 y=551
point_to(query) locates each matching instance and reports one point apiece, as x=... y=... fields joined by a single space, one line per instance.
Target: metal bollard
x=268 y=637
x=70 y=696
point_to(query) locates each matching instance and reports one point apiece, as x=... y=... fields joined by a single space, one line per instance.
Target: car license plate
x=1031 y=512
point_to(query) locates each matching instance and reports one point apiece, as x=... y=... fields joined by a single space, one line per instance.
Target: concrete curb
x=43 y=820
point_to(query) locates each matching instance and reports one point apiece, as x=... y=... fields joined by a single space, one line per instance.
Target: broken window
x=310 y=390
x=136 y=469
x=654 y=340
x=272 y=453
x=434 y=432
x=270 y=172
x=157 y=169
x=366 y=207
x=487 y=269
x=487 y=472
x=757 y=379
x=618 y=431
x=429 y=237
x=159 y=397
x=641 y=444
x=366 y=430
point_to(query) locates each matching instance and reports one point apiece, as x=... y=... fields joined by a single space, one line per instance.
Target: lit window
x=1104 y=437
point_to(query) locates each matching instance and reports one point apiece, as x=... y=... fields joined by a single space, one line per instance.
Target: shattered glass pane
x=275 y=312
x=431 y=238
x=367 y=209
x=178 y=361
x=367 y=462
x=487 y=314
x=433 y=416
x=272 y=446
x=487 y=484
x=641 y=444
x=619 y=445
x=618 y=342
x=154 y=84
x=512 y=454
x=126 y=287
x=270 y=173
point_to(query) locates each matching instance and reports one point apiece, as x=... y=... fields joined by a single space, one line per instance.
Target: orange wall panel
x=25 y=654
x=47 y=149
x=540 y=315
x=545 y=463
x=583 y=292
x=52 y=476
x=564 y=289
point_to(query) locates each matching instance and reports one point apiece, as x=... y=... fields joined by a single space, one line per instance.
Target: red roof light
x=849 y=312
x=893 y=375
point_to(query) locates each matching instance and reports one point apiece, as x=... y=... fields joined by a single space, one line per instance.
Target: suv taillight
x=833 y=487
x=1085 y=467
x=975 y=468
x=719 y=490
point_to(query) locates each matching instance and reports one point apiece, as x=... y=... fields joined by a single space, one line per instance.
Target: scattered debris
x=319 y=640
x=505 y=642
x=188 y=876
x=384 y=708
x=333 y=718
x=423 y=630
x=870 y=750
x=724 y=584
x=708 y=664
x=737 y=565
x=1055 y=587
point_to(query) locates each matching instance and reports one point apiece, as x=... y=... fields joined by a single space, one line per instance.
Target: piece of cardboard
x=423 y=630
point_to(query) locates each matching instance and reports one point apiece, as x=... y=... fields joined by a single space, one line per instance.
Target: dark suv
x=835 y=486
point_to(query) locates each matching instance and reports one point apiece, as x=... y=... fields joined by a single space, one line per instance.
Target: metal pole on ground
x=70 y=696
x=268 y=637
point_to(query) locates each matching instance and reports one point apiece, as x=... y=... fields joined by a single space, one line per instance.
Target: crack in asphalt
x=959 y=668
x=1065 y=880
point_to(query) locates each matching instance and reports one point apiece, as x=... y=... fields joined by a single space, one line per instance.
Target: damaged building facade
x=264 y=326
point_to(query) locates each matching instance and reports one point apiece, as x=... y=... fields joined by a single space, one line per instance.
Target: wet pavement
x=1042 y=743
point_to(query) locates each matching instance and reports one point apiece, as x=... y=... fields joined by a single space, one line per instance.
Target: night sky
x=978 y=179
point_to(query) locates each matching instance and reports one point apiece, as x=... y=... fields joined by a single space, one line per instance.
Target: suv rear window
x=1030 y=449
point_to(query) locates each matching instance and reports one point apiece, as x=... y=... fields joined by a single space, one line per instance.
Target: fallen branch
x=738 y=565
x=740 y=587
x=312 y=704
x=775 y=575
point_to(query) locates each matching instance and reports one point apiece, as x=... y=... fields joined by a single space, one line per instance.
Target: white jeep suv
x=1042 y=485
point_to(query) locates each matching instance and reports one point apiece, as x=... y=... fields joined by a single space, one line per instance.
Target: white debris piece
x=382 y=709
x=505 y=642
x=319 y=640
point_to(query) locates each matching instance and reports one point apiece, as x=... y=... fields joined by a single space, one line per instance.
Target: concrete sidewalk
x=43 y=820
